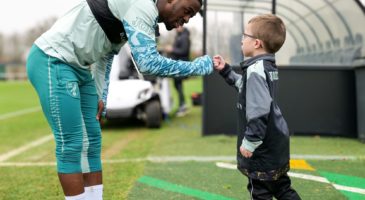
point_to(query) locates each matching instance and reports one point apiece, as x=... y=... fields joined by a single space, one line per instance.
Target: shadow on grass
x=133 y=123
x=123 y=123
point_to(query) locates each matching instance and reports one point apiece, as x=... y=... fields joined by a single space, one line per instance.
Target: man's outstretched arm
x=149 y=61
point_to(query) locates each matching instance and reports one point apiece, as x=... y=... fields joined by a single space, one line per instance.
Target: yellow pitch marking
x=300 y=164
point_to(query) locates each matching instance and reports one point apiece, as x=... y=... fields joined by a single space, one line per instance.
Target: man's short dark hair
x=201 y=2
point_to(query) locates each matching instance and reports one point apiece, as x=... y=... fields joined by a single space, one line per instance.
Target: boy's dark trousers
x=264 y=190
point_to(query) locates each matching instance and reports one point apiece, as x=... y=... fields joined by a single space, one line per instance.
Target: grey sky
x=19 y=15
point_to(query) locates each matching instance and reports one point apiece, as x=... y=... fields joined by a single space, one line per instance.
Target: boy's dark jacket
x=260 y=118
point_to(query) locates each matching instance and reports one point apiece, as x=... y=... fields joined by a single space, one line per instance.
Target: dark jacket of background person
x=271 y=159
x=181 y=51
x=181 y=46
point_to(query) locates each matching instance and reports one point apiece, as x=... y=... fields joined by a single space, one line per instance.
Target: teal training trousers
x=69 y=102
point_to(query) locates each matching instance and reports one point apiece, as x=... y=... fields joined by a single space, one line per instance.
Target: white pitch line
x=125 y=160
x=190 y=158
x=226 y=165
x=324 y=180
x=10 y=154
x=26 y=164
x=161 y=159
x=233 y=158
x=18 y=113
x=349 y=189
x=155 y=159
x=306 y=177
x=322 y=157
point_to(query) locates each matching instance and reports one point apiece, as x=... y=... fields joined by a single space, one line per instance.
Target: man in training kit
x=69 y=67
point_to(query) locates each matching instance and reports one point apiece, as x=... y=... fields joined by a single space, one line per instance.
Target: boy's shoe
x=183 y=110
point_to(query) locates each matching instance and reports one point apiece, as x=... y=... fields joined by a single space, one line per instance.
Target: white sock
x=77 y=197
x=94 y=192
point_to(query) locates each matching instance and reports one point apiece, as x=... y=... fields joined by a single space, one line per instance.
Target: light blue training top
x=77 y=39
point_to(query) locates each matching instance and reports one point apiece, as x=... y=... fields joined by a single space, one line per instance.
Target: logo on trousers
x=72 y=88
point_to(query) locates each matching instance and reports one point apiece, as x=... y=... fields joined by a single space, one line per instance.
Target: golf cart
x=133 y=95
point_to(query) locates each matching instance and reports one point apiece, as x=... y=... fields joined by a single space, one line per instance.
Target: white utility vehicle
x=132 y=95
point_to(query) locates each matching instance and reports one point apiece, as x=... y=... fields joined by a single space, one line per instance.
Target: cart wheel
x=153 y=114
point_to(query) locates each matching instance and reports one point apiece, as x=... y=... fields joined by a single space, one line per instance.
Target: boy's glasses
x=244 y=35
x=247 y=35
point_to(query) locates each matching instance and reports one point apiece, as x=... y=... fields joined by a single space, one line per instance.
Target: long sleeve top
x=77 y=39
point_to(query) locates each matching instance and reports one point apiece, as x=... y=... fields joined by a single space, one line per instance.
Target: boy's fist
x=218 y=62
x=245 y=153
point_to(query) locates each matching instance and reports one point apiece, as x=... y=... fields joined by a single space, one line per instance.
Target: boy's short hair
x=270 y=29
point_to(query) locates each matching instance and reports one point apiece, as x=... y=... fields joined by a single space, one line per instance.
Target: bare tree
x=1 y=48
x=32 y=34
x=14 y=48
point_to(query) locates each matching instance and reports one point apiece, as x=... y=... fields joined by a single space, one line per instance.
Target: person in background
x=263 y=138
x=180 y=50
x=69 y=67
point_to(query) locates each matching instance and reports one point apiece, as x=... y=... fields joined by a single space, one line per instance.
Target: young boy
x=263 y=139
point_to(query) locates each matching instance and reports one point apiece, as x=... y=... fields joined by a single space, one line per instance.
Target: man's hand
x=100 y=110
x=245 y=152
x=218 y=62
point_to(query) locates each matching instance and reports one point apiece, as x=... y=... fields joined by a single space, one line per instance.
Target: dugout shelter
x=321 y=64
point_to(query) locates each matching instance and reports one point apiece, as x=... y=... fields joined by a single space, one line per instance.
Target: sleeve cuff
x=250 y=146
x=225 y=71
